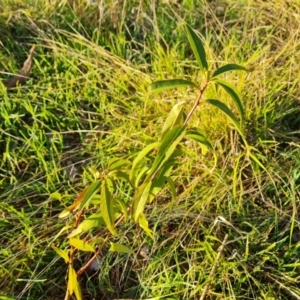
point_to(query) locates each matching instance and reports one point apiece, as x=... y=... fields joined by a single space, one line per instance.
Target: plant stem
x=99 y=250
x=196 y=103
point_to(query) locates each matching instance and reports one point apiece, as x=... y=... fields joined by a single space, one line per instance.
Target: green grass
x=88 y=101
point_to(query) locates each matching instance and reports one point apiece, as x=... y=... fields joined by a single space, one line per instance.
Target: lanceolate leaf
x=174 y=118
x=223 y=107
x=141 y=200
x=122 y=207
x=164 y=85
x=122 y=175
x=197 y=48
x=117 y=164
x=199 y=137
x=74 y=206
x=62 y=253
x=95 y=220
x=138 y=161
x=172 y=187
x=115 y=247
x=106 y=207
x=73 y=285
x=157 y=186
x=144 y=225
x=91 y=191
x=167 y=147
x=161 y=179
x=83 y=199
x=234 y=95
x=227 y=68
x=81 y=245
x=140 y=174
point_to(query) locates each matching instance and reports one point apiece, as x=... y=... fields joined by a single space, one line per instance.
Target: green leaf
x=141 y=199
x=75 y=205
x=144 y=225
x=64 y=213
x=122 y=207
x=161 y=179
x=94 y=220
x=227 y=68
x=234 y=95
x=81 y=245
x=122 y=176
x=62 y=253
x=115 y=247
x=73 y=285
x=164 y=85
x=56 y=195
x=91 y=191
x=117 y=163
x=197 y=48
x=199 y=137
x=172 y=187
x=106 y=207
x=167 y=147
x=174 y=118
x=139 y=161
x=65 y=228
x=140 y=174
x=223 y=107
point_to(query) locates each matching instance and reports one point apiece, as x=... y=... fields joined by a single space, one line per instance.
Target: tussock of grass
x=88 y=101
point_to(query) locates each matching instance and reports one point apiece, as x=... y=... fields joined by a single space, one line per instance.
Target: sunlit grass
x=88 y=101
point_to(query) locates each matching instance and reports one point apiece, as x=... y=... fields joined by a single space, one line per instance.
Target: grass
x=88 y=101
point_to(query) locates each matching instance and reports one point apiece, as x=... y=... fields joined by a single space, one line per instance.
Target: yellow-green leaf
x=197 y=48
x=91 y=191
x=74 y=206
x=56 y=195
x=62 y=253
x=144 y=225
x=115 y=247
x=106 y=207
x=227 y=68
x=164 y=85
x=81 y=245
x=175 y=117
x=140 y=202
x=234 y=95
x=172 y=187
x=223 y=107
x=117 y=164
x=167 y=148
x=73 y=285
x=138 y=162
x=95 y=220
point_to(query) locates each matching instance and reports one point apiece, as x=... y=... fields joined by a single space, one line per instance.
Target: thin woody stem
x=100 y=249
x=196 y=104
